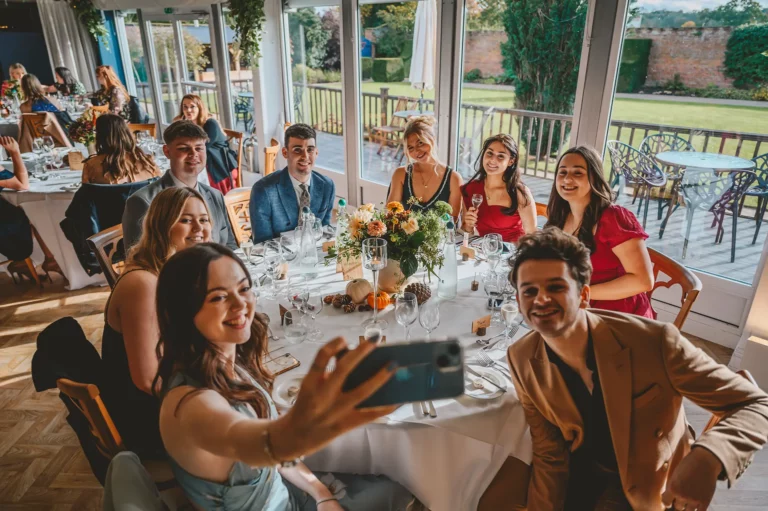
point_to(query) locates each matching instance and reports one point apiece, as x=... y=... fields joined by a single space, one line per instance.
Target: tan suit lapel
x=615 y=369
x=557 y=397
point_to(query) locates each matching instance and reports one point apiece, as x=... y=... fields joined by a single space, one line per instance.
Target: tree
x=396 y=28
x=332 y=25
x=315 y=37
x=733 y=14
x=485 y=14
x=162 y=37
x=542 y=53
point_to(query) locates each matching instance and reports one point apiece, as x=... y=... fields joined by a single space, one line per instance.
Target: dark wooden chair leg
x=762 y=202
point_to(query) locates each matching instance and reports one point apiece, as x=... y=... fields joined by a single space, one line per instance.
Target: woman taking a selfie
x=581 y=204
x=218 y=422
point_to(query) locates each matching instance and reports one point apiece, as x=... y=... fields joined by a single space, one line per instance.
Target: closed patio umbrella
x=422 y=74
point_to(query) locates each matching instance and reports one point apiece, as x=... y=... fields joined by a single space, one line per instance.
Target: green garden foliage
x=388 y=70
x=744 y=59
x=542 y=53
x=366 y=66
x=634 y=65
x=315 y=37
x=473 y=75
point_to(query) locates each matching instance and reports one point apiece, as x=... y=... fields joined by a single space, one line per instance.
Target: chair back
x=86 y=397
x=660 y=142
x=150 y=127
x=541 y=210
x=35 y=123
x=237 y=136
x=105 y=246
x=678 y=274
x=100 y=109
x=40 y=124
x=761 y=169
x=635 y=166
x=715 y=419
x=270 y=157
x=715 y=191
x=237 y=202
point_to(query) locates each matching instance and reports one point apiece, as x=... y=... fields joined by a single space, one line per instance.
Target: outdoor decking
x=702 y=253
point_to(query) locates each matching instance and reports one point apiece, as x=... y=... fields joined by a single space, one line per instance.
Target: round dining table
x=447 y=461
x=710 y=161
x=407 y=114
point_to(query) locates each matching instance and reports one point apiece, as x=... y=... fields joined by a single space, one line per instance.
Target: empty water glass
x=294 y=327
x=509 y=314
x=406 y=311
x=429 y=316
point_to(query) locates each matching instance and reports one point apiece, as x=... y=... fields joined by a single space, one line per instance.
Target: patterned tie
x=303 y=200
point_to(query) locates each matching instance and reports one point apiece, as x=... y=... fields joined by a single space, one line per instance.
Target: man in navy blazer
x=276 y=199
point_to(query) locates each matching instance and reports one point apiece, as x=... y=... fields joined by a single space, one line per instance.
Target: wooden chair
x=150 y=127
x=387 y=134
x=678 y=274
x=270 y=157
x=30 y=267
x=104 y=245
x=40 y=124
x=541 y=210
x=717 y=418
x=237 y=202
x=236 y=135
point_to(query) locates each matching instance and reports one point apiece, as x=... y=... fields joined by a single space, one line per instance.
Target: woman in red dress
x=508 y=207
x=581 y=204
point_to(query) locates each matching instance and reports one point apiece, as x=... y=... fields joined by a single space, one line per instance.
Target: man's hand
x=693 y=482
x=10 y=145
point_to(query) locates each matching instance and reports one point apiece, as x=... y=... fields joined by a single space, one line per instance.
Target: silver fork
x=511 y=334
x=487 y=361
x=423 y=406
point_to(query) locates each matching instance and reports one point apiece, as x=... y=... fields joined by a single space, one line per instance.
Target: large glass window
x=168 y=69
x=200 y=78
x=138 y=63
x=314 y=38
x=521 y=66
x=679 y=94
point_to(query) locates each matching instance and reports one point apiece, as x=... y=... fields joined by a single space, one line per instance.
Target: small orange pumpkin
x=382 y=299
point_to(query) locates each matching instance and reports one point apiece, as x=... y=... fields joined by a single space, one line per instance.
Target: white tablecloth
x=447 y=462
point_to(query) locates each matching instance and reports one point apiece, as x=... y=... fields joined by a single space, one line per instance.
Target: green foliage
x=246 y=18
x=675 y=84
x=315 y=37
x=314 y=75
x=744 y=61
x=473 y=75
x=90 y=17
x=332 y=25
x=542 y=53
x=395 y=30
x=634 y=65
x=366 y=65
x=388 y=70
x=485 y=14
x=733 y=14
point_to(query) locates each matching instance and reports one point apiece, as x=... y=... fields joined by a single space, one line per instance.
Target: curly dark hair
x=554 y=244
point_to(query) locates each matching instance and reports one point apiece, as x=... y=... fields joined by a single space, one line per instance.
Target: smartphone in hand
x=427 y=370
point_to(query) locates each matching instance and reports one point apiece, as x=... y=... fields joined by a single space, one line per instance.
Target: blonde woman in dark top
x=118 y=160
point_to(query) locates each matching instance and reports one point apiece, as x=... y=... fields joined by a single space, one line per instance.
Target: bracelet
x=325 y=500
x=273 y=460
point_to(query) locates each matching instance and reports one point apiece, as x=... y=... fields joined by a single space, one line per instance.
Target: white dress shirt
x=179 y=183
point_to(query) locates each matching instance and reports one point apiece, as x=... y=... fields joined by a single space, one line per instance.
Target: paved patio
x=702 y=254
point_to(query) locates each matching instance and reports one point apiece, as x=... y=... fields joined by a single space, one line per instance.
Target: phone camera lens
x=454 y=350
x=443 y=361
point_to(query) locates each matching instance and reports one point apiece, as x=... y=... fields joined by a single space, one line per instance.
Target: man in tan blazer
x=603 y=393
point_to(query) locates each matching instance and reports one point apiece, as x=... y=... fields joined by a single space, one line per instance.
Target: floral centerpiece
x=83 y=130
x=11 y=89
x=413 y=237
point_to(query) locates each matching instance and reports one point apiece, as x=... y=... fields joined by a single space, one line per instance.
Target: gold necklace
x=426 y=183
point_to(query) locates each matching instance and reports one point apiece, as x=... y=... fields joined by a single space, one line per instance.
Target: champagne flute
x=375 y=259
x=272 y=260
x=48 y=143
x=38 y=147
x=247 y=247
x=429 y=316
x=477 y=200
x=493 y=246
x=406 y=311
x=509 y=313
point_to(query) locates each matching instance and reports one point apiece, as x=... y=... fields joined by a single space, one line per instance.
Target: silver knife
x=472 y=371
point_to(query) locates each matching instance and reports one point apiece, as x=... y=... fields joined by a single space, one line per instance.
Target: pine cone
x=422 y=291
x=337 y=302
x=350 y=307
x=328 y=299
x=346 y=299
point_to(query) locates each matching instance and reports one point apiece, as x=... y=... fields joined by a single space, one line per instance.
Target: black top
x=135 y=413
x=593 y=465
x=443 y=192
x=221 y=158
x=15 y=232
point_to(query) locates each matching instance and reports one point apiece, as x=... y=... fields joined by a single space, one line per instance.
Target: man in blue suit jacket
x=276 y=199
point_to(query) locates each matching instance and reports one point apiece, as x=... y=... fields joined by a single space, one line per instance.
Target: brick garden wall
x=697 y=54
x=483 y=51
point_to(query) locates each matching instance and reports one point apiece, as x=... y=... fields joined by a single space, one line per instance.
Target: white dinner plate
x=483 y=390
x=28 y=156
x=286 y=392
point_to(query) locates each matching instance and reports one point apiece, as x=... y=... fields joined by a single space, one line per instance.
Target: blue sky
x=685 y=5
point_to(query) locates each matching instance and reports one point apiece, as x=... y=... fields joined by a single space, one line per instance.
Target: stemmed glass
x=494 y=286
x=314 y=306
x=509 y=313
x=477 y=200
x=289 y=246
x=493 y=246
x=247 y=247
x=429 y=316
x=272 y=260
x=48 y=143
x=38 y=147
x=375 y=259
x=57 y=159
x=406 y=311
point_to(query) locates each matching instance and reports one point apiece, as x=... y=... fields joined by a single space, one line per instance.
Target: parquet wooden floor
x=41 y=464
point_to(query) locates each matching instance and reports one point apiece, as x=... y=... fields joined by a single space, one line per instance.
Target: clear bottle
x=341 y=219
x=307 y=246
x=447 y=287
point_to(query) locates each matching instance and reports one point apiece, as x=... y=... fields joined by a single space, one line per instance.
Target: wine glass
x=493 y=246
x=406 y=311
x=375 y=259
x=509 y=313
x=48 y=143
x=57 y=160
x=247 y=247
x=289 y=246
x=477 y=199
x=429 y=316
x=494 y=285
x=272 y=261
x=38 y=147
x=313 y=307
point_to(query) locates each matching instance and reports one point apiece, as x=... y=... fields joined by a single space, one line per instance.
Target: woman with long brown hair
x=112 y=92
x=177 y=219
x=581 y=204
x=218 y=421
x=35 y=98
x=507 y=206
x=424 y=178
x=221 y=160
x=118 y=160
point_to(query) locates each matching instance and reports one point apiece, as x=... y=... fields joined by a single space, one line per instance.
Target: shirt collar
x=179 y=183
x=296 y=183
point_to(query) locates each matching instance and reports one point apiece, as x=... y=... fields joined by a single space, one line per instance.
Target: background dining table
x=447 y=462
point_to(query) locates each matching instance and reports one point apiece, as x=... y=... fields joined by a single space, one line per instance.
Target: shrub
x=634 y=65
x=366 y=67
x=388 y=70
x=744 y=61
x=331 y=76
x=760 y=94
x=473 y=75
x=675 y=84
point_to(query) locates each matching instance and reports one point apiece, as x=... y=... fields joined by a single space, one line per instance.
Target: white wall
x=757 y=320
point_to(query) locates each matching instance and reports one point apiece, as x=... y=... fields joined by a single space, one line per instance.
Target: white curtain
x=69 y=43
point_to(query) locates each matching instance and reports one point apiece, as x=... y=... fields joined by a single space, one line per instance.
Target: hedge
x=366 y=64
x=388 y=70
x=744 y=59
x=634 y=65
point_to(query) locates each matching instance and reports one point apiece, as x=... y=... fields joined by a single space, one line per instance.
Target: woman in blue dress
x=37 y=101
x=227 y=445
